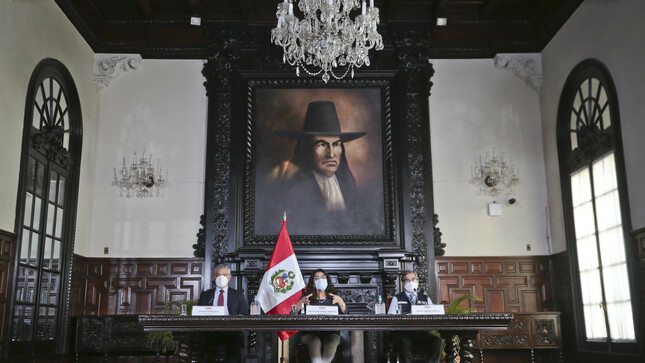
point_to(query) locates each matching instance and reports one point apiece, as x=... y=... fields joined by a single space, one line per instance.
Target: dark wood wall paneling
x=7 y=241
x=132 y=286
x=144 y=285
x=505 y=284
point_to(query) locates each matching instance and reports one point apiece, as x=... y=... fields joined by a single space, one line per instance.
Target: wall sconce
x=492 y=174
x=140 y=179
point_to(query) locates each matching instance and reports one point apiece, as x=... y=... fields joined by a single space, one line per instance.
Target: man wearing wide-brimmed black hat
x=319 y=182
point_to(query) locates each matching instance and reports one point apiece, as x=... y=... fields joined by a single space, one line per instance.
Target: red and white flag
x=282 y=283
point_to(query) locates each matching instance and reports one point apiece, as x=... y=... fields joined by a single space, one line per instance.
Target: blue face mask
x=321 y=284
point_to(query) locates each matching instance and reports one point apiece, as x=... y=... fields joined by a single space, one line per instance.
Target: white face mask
x=221 y=281
x=411 y=287
x=321 y=284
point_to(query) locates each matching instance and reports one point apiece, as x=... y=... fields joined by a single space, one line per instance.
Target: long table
x=464 y=325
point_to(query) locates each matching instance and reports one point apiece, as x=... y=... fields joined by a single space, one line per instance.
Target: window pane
x=45 y=328
x=33 y=251
x=608 y=211
x=26 y=285
x=584 y=221
x=574 y=128
x=53 y=288
x=24 y=245
x=35 y=117
x=612 y=246
x=22 y=323
x=580 y=187
x=37 y=212
x=591 y=301
x=594 y=322
x=61 y=190
x=51 y=209
x=56 y=256
x=590 y=286
x=21 y=290
x=53 y=178
x=604 y=175
x=618 y=288
x=59 y=222
x=621 y=321
x=45 y=287
x=29 y=201
x=605 y=117
x=587 y=253
x=47 y=252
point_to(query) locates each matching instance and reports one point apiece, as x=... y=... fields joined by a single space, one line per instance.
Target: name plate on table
x=321 y=310
x=426 y=310
x=208 y=311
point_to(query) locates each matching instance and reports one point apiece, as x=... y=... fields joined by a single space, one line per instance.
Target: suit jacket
x=237 y=304
x=403 y=296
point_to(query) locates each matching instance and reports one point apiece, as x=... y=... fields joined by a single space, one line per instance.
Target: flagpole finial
x=284 y=216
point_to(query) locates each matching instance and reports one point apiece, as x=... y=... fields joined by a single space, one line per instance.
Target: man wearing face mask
x=224 y=344
x=427 y=343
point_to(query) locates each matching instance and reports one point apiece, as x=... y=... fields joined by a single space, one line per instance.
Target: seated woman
x=321 y=291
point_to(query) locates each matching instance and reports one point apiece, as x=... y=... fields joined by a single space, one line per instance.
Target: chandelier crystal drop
x=493 y=173
x=327 y=38
x=139 y=179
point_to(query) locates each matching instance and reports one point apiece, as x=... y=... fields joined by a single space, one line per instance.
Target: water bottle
x=255 y=307
x=379 y=307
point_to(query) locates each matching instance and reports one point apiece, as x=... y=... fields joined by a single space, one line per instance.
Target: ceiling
x=161 y=28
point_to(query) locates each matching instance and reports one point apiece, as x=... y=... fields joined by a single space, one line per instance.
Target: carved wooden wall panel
x=103 y=286
x=505 y=284
x=7 y=241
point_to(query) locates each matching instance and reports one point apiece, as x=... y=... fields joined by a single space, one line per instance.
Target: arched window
x=596 y=208
x=46 y=212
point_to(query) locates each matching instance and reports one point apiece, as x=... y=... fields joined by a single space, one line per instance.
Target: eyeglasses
x=323 y=277
x=410 y=280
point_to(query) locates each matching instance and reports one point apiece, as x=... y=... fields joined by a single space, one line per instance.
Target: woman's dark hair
x=311 y=286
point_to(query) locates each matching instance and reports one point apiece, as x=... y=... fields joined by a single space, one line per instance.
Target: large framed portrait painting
x=323 y=156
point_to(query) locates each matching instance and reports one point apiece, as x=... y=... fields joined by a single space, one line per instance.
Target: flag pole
x=282 y=359
x=284 y=216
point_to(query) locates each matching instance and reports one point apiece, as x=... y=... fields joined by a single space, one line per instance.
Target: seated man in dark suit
x=228 y=344
x=425 y=342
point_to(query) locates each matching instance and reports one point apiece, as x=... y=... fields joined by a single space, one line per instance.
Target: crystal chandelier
x=327 y=37
x=139 y=179
x=493 y=173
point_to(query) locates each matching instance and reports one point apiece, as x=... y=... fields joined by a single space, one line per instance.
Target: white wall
x=473 y=108
x=162 y=107
x=614 y=33
x=29 y=32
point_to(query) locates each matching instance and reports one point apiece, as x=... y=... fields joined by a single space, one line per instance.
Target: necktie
x=412 y=298
x=220 y=299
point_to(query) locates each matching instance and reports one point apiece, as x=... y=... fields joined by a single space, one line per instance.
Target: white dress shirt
x=216 y=298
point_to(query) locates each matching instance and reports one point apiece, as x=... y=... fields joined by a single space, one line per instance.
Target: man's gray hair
x=408 y=272
x=222 y=266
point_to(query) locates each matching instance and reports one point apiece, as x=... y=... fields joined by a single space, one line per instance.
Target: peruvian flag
x=282 y=283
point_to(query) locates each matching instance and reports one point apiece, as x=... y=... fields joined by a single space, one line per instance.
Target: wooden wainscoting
x=132 y=285
x=505 y=284
x=7 y=242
